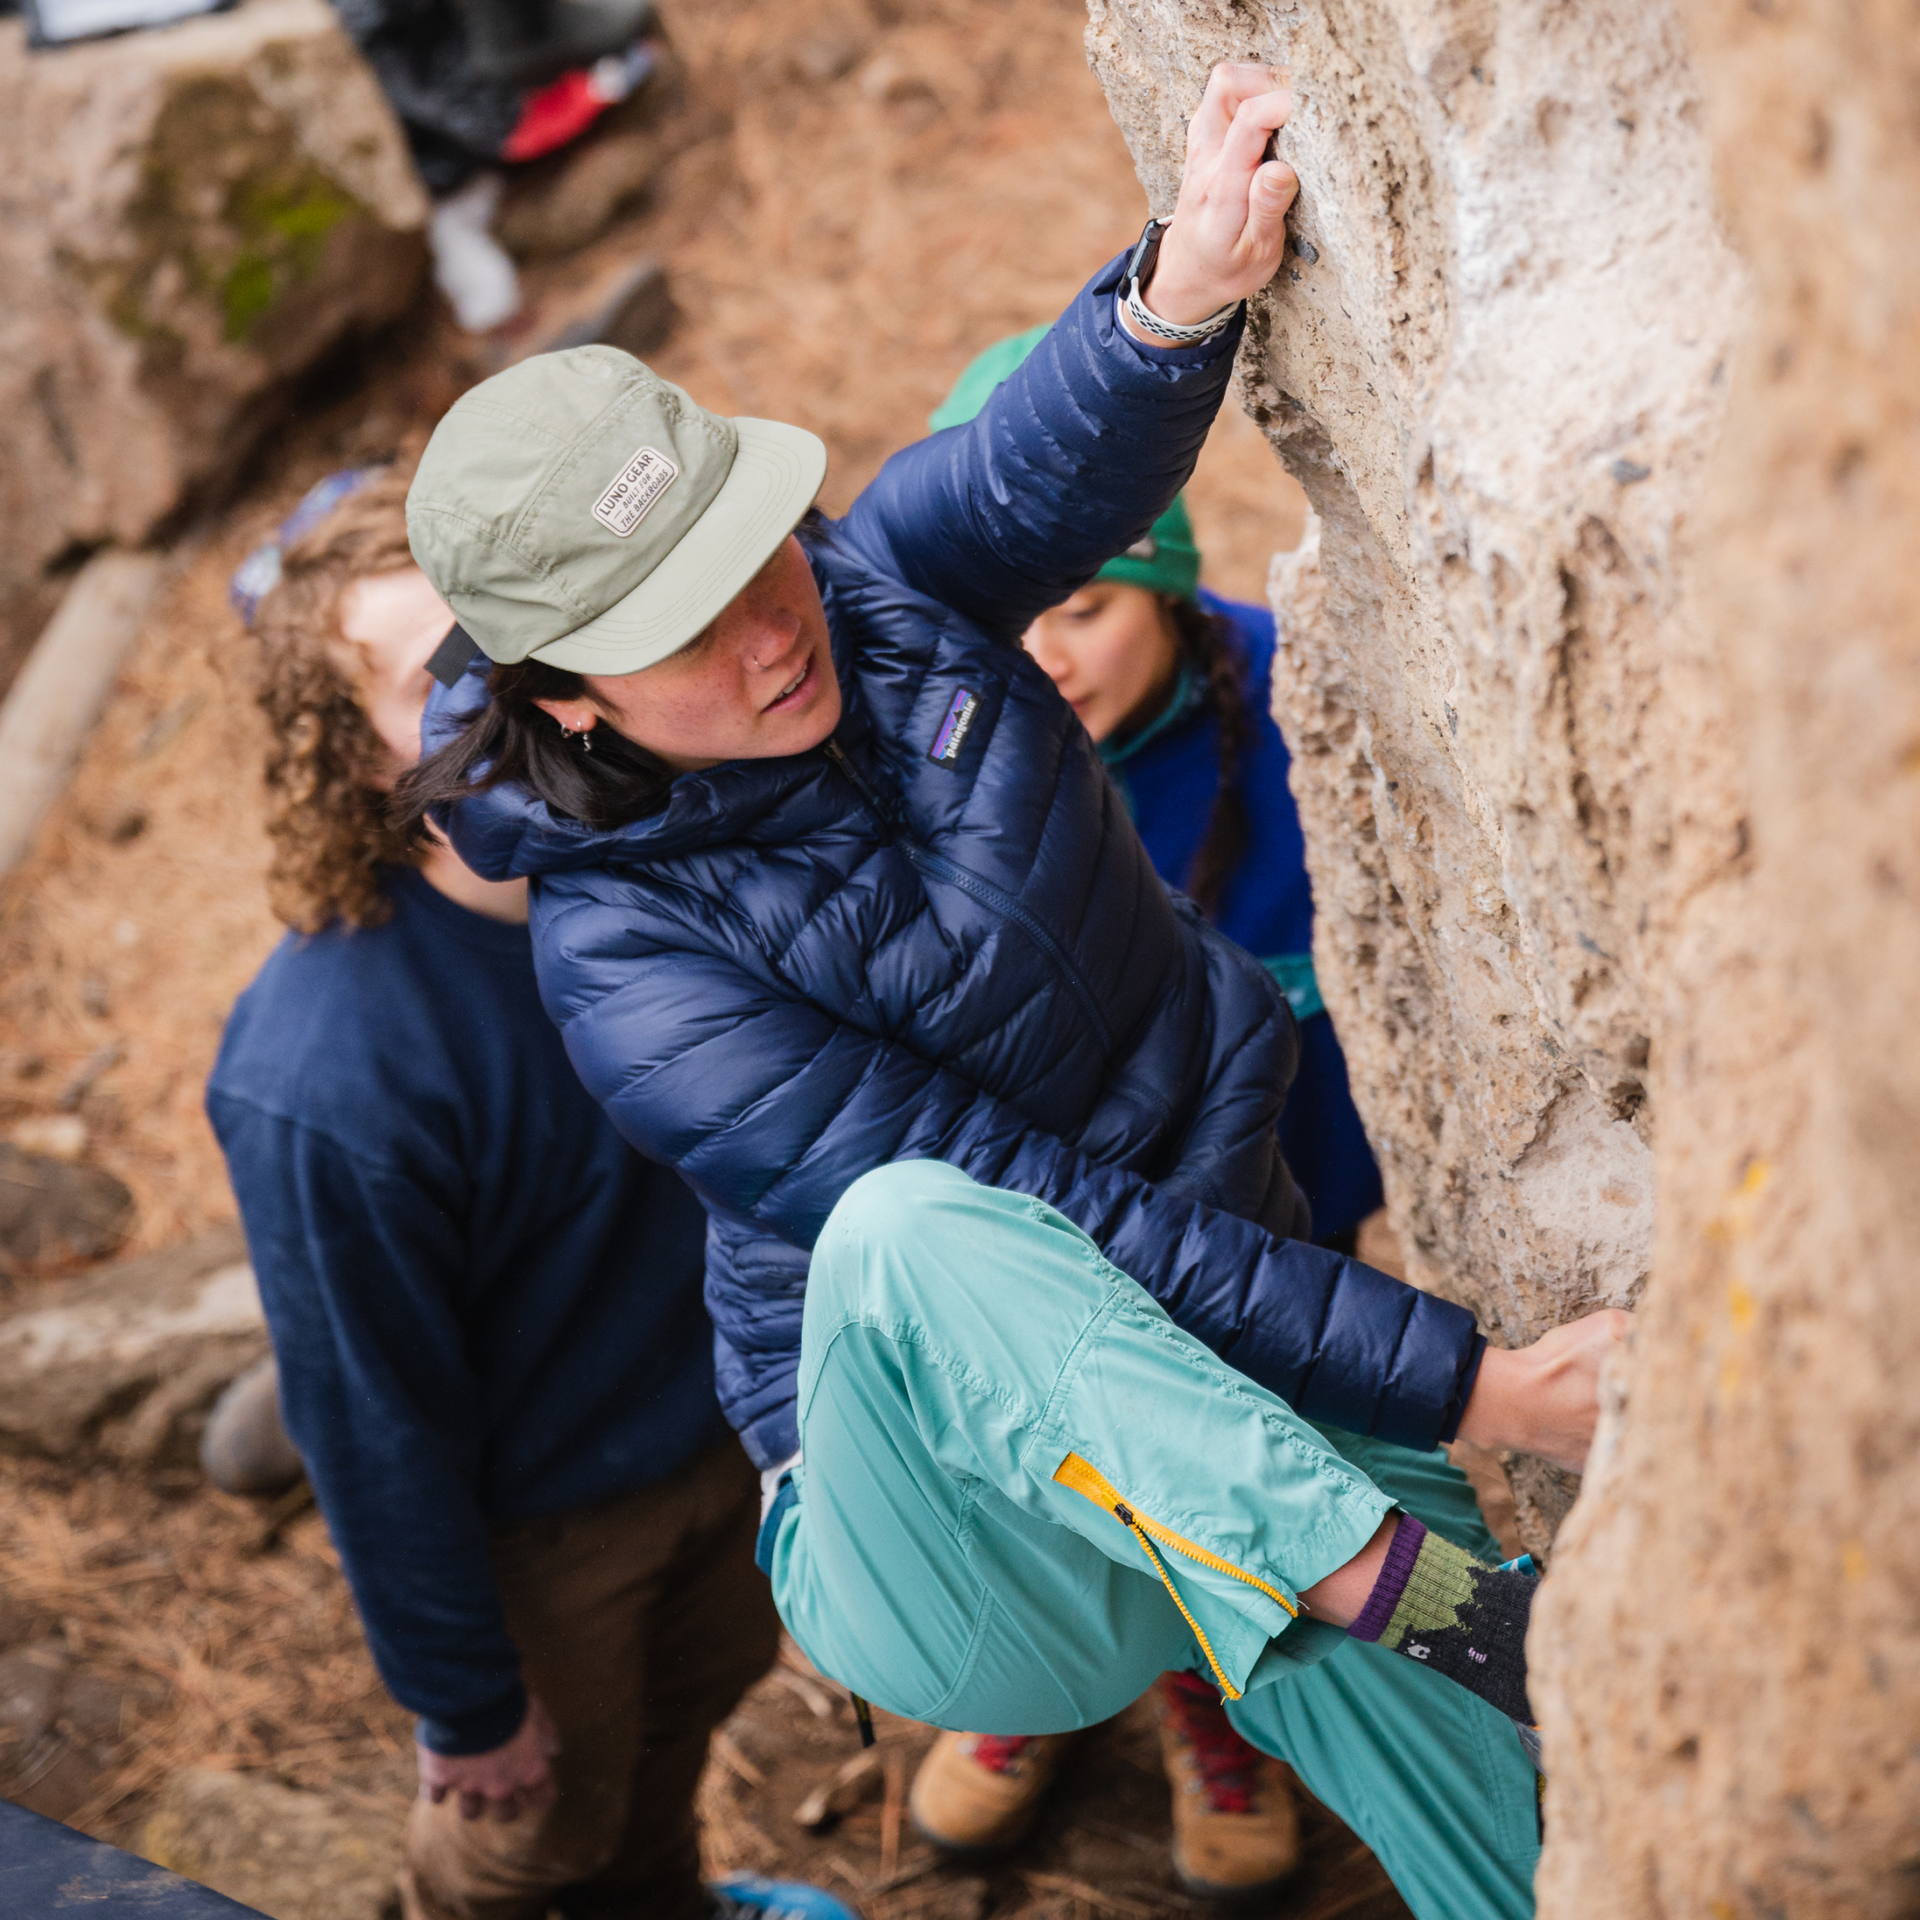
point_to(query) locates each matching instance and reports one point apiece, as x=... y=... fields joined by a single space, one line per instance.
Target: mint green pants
x=1025 y=1493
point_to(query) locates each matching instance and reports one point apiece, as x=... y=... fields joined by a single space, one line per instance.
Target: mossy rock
x=230 y=212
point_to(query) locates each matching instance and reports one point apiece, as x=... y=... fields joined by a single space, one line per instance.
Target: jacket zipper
x=1084 y=1478
x=925 y=860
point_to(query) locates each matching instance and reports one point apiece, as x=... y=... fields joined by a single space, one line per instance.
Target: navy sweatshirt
x=485 y=1305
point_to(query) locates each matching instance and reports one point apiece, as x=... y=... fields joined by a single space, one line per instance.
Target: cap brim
x=772 y=482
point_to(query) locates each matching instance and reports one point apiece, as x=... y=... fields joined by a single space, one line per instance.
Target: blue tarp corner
x=48 y=1869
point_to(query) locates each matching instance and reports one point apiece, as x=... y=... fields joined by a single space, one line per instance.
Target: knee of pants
x=881 y=1224
x=474 y=1866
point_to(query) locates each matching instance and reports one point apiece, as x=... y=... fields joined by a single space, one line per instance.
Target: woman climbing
x=1172 y=684
x=840 y=916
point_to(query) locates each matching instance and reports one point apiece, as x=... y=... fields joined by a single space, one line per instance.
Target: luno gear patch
x=954 y=729
x=635 y=492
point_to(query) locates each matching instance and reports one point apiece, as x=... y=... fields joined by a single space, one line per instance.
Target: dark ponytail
x=510 y=740
x=1210 y=649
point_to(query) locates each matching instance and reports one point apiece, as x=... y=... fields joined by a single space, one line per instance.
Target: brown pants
x=640 y=1623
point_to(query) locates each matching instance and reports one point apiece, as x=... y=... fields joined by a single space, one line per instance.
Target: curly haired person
x=486 y=1307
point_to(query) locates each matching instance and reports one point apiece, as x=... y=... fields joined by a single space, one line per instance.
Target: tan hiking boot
x=978 y=1792
x=1236 y=1835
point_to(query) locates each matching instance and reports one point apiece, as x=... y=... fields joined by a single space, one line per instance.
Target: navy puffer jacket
x=805 y=968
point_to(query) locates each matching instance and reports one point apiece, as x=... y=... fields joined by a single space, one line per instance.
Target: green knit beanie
x=1164 y=560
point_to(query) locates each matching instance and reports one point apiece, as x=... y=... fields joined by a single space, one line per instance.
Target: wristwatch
x=1140 y=266
x=1146 y=255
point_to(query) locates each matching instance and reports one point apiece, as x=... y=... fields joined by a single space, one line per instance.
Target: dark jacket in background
x=943 y=939
x=485 y=1306
x=455 y=121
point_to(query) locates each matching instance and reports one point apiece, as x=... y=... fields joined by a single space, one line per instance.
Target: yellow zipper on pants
x=1085 y=1478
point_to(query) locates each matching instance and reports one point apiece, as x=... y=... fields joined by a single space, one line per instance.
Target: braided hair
x=1210 y=650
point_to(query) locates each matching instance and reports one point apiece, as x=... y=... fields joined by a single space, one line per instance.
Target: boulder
x=190 y=219
x=1602 y=676
x=122 y=1365
x=1747 y=1551
x=56 y=1212
x=293 y=1855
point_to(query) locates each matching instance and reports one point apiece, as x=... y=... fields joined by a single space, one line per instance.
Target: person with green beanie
x=1173 y=685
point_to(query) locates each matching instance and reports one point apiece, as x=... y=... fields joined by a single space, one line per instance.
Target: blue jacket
x=804 y=968
x=1170 y=774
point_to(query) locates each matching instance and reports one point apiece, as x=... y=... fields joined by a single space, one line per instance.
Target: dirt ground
x=869 y=194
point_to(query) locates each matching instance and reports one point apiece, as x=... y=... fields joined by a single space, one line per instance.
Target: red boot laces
x=1229 y=1767
x=1000 y=1752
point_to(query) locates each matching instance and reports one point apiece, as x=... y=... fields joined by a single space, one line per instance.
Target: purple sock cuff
x=1402 y=1551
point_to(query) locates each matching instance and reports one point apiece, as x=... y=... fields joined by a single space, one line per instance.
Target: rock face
x=1603 y=680
x=1498 y=372
x=1756 y=1755
x=189 y=219
x=123 y=1364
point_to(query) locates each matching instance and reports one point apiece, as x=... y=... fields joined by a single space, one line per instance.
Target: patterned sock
x=1437 y=1604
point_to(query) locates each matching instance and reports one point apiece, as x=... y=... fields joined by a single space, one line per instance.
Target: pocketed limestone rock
x=190 y=220
x=1730 y=1670
x=1602 y=679
x=122 y=1365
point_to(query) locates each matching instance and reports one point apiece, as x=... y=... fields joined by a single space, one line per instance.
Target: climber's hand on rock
x=1544 y=1399
x=503 y=1783
x=1228 y=229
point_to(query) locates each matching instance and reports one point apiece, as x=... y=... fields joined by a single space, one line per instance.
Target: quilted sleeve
x=1075 y=456
x=771 y=1109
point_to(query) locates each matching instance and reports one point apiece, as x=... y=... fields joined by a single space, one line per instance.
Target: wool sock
x=1435 y=1603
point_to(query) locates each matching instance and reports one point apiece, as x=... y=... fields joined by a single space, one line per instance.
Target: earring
x=582 y=735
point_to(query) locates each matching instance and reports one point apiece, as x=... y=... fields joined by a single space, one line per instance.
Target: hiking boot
x=978 y=1793
x=1236 y=1835
x=244 y=1447
x=746 y=1896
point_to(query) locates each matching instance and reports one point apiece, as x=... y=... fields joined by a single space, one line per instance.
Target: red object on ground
x=560 y=112
x=1227 y=1763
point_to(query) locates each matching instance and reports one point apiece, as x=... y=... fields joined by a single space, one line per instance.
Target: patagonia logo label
x=954 y=728
x=635 y=492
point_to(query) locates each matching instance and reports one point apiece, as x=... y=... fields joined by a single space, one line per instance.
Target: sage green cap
x=580 y=510
x=1164 y=559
